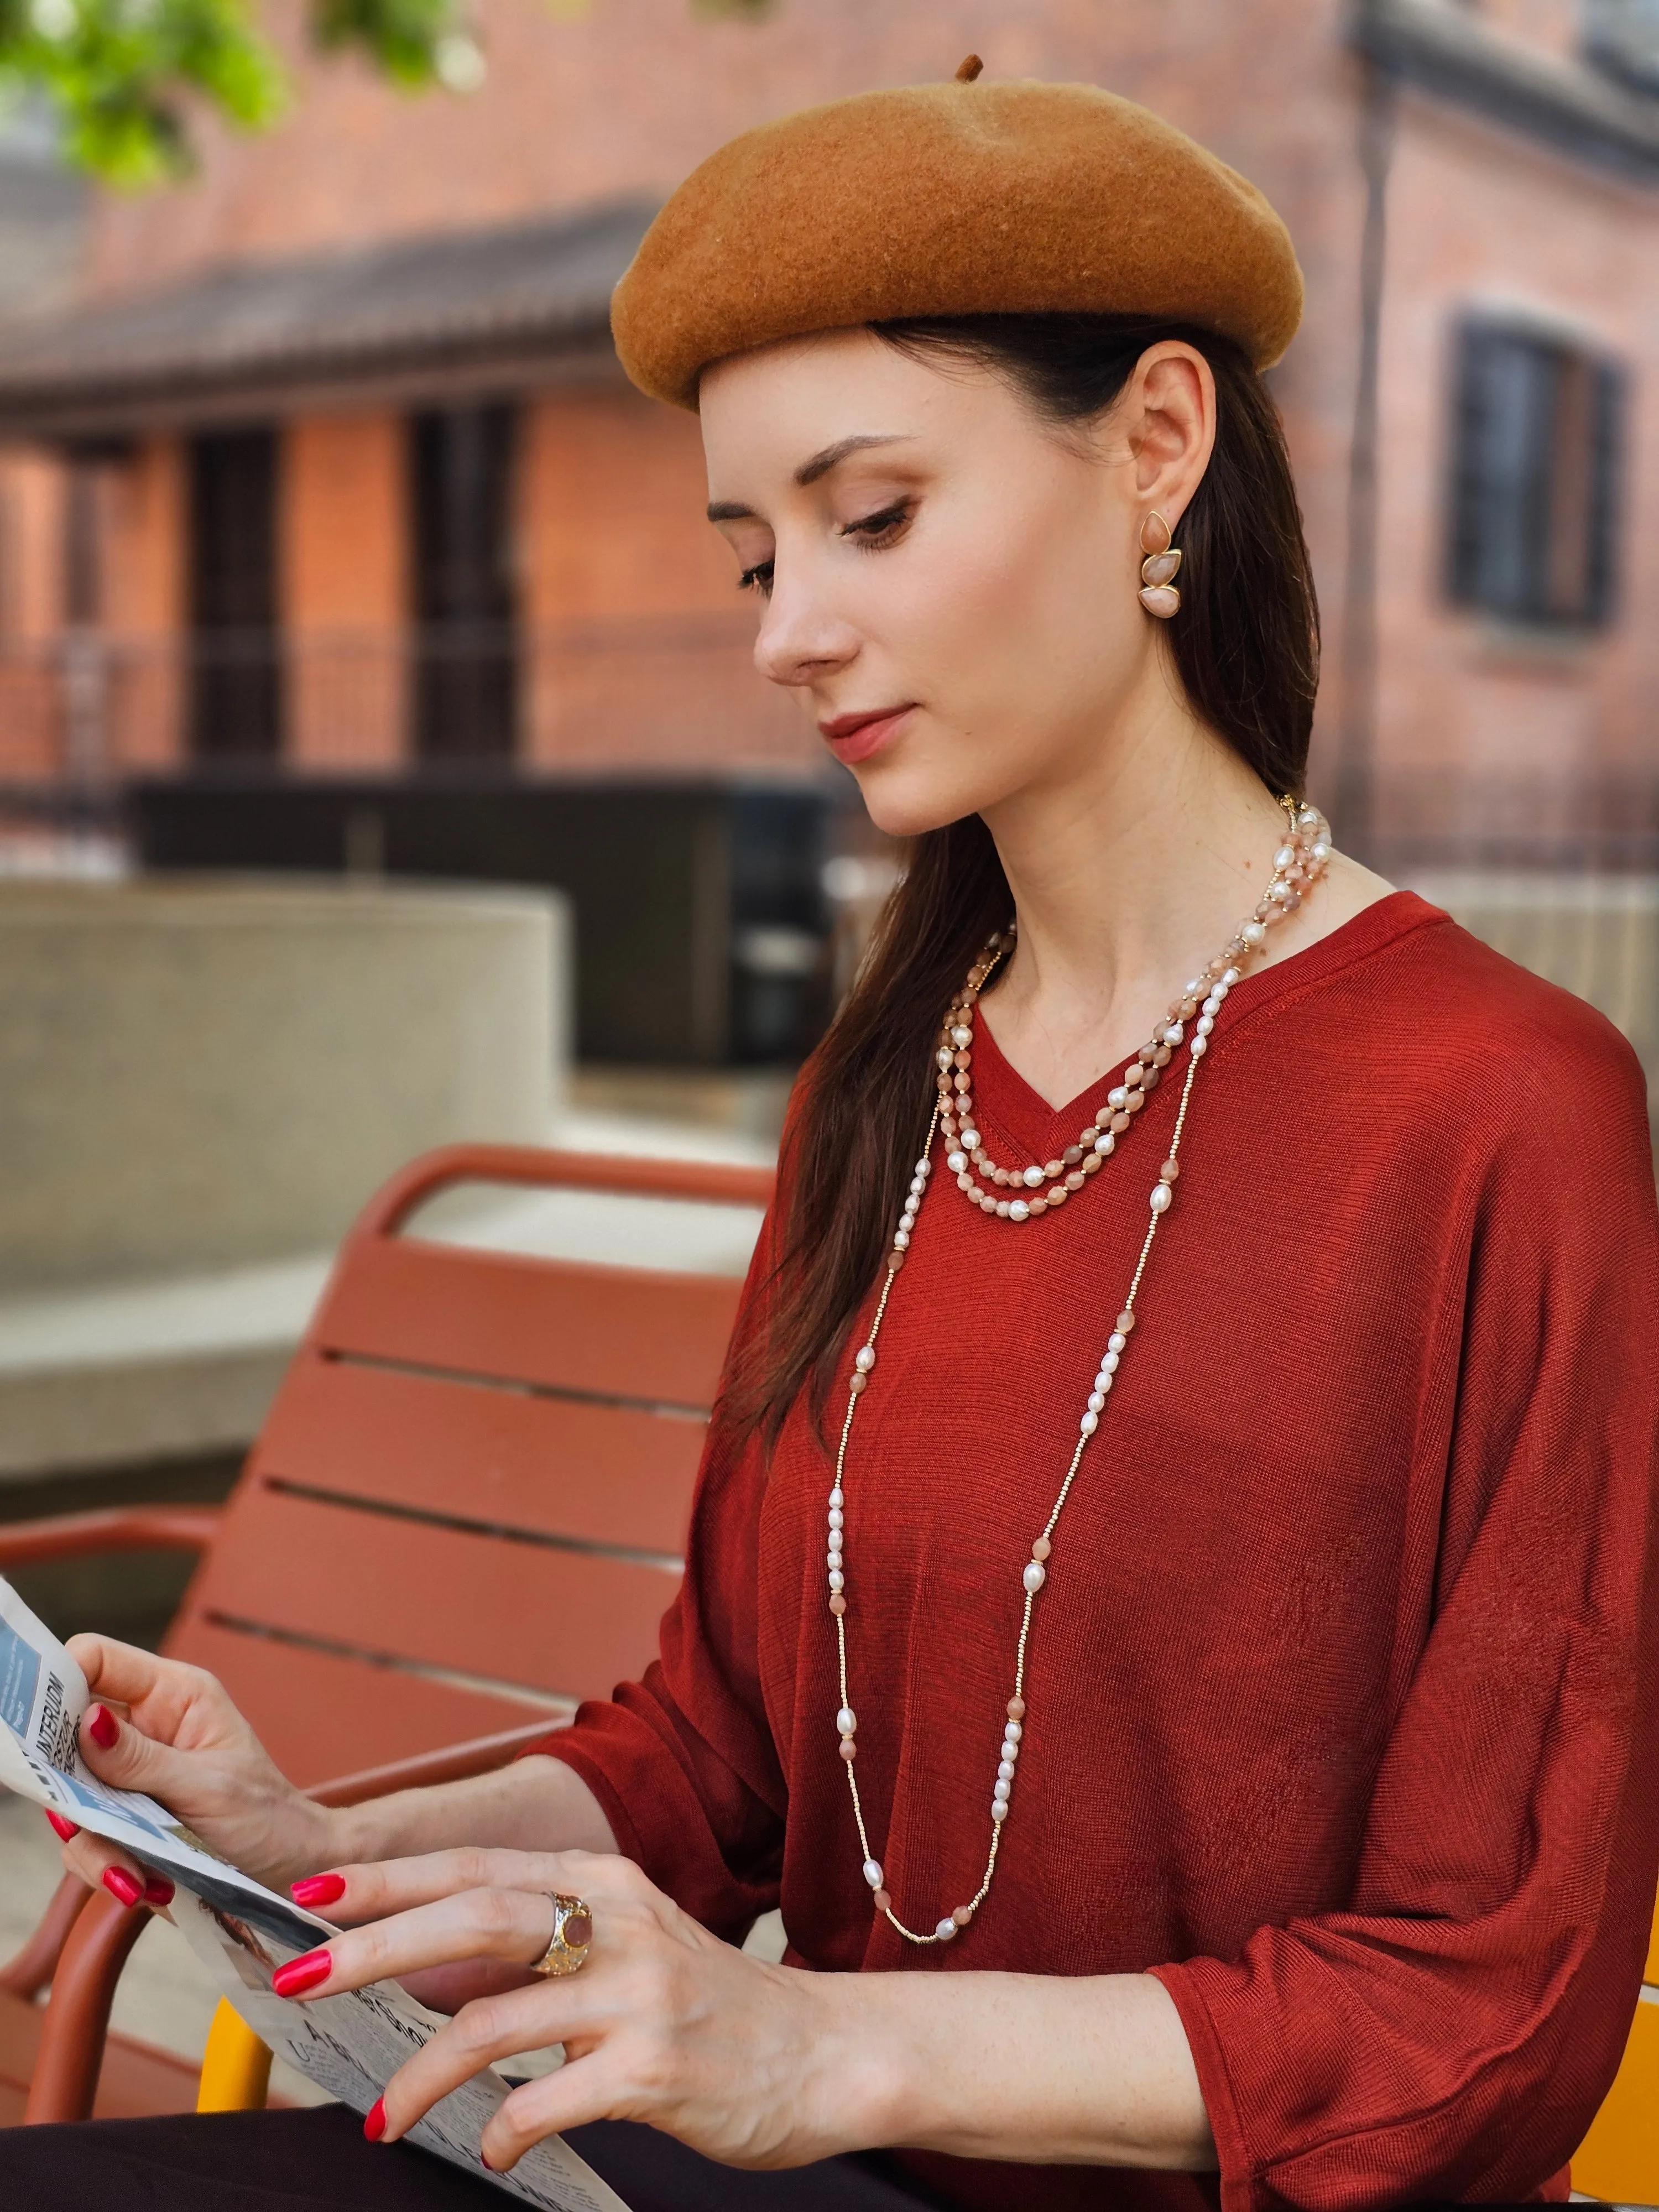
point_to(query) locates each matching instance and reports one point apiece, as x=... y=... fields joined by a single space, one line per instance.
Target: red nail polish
x=375 y=2120
x=318 y=1889
x=302 y=1974
x=103 y=1728
x=483 y=2159
x=63 y=1829
x=158 y=1891
x=121 y=1885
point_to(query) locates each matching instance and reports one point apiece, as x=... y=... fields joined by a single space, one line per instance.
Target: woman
x=1167 y=1609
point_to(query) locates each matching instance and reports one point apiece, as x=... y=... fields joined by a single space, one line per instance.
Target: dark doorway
x=236 y=674
x=466 y=676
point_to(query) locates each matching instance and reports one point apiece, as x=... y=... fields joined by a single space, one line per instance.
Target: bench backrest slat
x=468 y=1503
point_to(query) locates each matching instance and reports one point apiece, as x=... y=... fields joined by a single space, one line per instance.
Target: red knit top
x=1344 y=1686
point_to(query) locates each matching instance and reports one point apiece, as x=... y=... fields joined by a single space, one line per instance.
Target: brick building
x=326 y=466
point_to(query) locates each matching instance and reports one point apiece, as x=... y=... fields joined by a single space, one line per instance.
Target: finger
x=171 y=1701
x=514 y=1924
x=100 y=1865
x=120 y=1671
x=119 y=1751
x=581 y=2090
x=377 y=1889
x=490 y=2028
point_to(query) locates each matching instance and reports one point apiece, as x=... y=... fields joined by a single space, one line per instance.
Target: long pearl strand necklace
x=1306 y=851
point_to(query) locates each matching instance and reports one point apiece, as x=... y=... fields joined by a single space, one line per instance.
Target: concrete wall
x=197 y=1075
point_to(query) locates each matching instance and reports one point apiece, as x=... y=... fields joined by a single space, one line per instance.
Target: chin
x=907 y=798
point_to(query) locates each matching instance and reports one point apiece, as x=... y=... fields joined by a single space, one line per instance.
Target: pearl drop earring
x=1158 y=571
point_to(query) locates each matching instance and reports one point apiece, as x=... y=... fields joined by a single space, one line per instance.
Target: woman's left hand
x=752 y=2065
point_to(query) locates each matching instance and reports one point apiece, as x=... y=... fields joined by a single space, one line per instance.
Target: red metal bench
x=465 y=1513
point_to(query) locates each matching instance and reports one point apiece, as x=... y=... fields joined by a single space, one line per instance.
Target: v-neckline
x=1026 y=1116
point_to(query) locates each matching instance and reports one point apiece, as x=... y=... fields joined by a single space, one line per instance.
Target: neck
x=1127 y=875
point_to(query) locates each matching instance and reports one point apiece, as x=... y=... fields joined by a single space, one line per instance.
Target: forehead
x=765 y=412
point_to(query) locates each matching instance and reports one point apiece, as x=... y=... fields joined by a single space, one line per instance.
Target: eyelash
x=873 y=533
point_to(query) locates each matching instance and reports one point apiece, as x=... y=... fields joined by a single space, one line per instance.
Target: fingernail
x=318 y=1889
x=103 y=1728
x=63 y=1829
x=120 y=1885
x=483 y=2159
x=158 y=1891
x=302 y=1974
x=375 y=2120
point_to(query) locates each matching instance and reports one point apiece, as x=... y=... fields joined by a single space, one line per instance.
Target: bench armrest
x=113 y=1528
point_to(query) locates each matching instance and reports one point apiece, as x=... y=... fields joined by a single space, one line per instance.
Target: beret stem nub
x=970 y=69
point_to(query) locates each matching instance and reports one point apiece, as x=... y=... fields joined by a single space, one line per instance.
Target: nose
x=801 y=639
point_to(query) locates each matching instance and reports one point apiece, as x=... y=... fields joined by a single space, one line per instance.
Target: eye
x=875 y=530
x=758 y=579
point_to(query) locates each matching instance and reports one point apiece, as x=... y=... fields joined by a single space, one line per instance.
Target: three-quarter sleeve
x=684 y=1761
x=1452 y=2035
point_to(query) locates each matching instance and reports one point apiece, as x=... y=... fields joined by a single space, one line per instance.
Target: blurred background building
x=330 y=535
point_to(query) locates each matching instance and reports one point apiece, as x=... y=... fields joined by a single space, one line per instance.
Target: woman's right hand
x=170 y=1730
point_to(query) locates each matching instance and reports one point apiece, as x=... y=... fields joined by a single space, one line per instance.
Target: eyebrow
x=809 y=472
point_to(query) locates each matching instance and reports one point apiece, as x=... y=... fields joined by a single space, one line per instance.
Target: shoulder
x=1449 y=1027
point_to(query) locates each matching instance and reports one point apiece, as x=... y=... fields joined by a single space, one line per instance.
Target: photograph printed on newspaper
x=350 y=2045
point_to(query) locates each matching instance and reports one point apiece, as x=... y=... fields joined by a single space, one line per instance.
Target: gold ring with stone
x=572 y=1932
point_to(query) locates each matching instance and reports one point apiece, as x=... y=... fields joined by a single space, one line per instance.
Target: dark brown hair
x=1246 y=645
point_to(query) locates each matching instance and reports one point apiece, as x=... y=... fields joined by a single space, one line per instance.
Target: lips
x=854 y=738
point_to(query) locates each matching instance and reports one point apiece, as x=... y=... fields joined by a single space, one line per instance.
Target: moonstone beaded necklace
x=1018 y=1194
x=1298 y=865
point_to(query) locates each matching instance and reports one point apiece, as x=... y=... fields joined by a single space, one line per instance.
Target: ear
x=1168 y=414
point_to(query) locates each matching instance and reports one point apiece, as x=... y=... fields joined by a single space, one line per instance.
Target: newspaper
x=350 y=2045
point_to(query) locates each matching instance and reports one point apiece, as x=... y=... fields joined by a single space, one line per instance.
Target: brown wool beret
x=952 y=199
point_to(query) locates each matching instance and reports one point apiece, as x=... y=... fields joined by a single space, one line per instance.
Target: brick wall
x=345 y=589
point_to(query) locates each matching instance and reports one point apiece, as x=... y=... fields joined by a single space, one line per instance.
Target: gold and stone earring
x=1158 y=571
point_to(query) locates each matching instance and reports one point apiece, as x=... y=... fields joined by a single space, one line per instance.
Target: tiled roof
x=475 y=304
x=1578 y=109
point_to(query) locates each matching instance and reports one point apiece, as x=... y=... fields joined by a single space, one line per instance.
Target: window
x=466 y=688
x=236 y=691
x=1535 y=464
x=1622 y=38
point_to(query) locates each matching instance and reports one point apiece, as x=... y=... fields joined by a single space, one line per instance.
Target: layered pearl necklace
x=1298 y=865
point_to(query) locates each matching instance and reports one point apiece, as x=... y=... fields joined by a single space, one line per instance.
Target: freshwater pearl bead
x=838 y=1582
x=1036 y=1575
x=900 y=1240
x=837 y=1518
x=970 y=1140
x=1205 y=1023
x=1089 y=1424
x=864 y=1359
x=1200 y=1045
x=1116 y=1342
x=1005 y=1770
x=1014 y=1732
x=962 y=1037
x=1105 y=1145
x=1096 y=1400
x=946 y=1929
x=873 y=1873
x=1018 y=1211
x=1160 y=1197
x=1033 y=1177
x=956 y=1161
x=1254 y=935
x=999 y=1812
x=1173 y=1035
x=1002 y=1791
x=1108 y=1365
x=846 y=1722
x=837 y=1496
